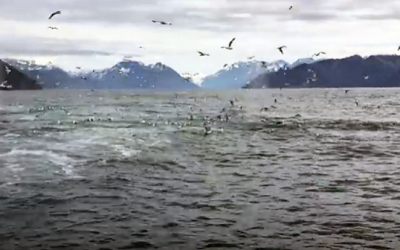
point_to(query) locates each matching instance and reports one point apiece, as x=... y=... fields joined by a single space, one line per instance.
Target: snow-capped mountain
x=48 y=76
x=123 y=75
x=239 y=74
x=301 y=61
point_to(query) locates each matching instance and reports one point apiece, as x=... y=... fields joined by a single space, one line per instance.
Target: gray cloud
x=24 y=45
x=217 y=15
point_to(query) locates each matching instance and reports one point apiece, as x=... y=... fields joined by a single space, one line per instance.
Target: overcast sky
x=96 y=34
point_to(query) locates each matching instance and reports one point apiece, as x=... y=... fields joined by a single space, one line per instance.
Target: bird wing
x=230 y=43
x=54 y=13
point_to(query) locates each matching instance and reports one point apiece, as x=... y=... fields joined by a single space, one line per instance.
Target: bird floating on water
x=230 y=45
x=250 y=57
x=281 y=48
x=203 y=54
x=53 y=28
x=54 y=13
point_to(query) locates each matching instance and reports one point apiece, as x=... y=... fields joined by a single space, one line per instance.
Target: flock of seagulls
x=207 y=121
x=202 y=54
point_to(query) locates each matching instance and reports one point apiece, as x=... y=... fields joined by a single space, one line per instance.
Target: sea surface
x=134 y=170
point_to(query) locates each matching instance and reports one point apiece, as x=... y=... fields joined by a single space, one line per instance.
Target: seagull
x=8 y=70
x=225 y=65
x=263 y=64
x=398 y=48
x=281 y=48
x=203 y=54
x=230 y=45
x=53 y=28
x=161 y=22
x=290 y=7
x=55 y=13
x=207 y=130
x=319 y=53
x=250 y=57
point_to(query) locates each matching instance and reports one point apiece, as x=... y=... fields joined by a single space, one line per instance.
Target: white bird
x=203 y=54
x=8 y=70
x=230 y=45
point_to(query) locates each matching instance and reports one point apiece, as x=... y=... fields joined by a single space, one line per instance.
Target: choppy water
x=316 y=172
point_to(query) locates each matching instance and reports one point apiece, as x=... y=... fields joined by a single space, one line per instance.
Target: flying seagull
x=53 y=28
x=263 y=64
x=398 y=48
x=230 y=45
x=8 y=70
x=161 y=22
x=319 y=53
x=55 y=13
x=281 y=49
x=290 y=7
x=203 y=54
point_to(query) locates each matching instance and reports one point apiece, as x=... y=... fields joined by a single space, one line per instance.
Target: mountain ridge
x=126 y=74
x=13 y=79
x=351 y=72
x=241 y=73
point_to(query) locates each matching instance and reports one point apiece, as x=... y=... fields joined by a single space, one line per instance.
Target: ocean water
x=133 y=170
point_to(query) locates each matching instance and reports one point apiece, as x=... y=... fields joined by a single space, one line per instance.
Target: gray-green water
x=134 y=172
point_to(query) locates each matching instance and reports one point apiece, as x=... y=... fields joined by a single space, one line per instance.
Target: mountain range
x=239 y=74
x=350 y=72
x=353 y=71
x=129 y=74
x=123 y=75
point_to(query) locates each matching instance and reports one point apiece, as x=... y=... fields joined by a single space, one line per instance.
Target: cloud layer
x=120 y=27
